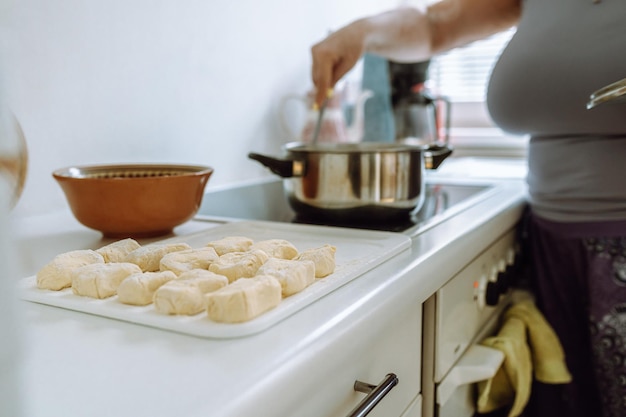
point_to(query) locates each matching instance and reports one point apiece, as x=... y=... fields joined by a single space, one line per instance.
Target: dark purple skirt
x=578 y=275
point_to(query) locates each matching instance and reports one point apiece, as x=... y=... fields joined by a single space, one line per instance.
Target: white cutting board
x=358 y=251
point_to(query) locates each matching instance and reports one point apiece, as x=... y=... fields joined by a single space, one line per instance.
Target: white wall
x=189 y=81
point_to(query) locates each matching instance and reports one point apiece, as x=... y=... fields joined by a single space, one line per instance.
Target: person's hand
x=334 y=56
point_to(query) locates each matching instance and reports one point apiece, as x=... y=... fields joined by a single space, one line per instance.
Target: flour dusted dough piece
x=56 y=275
x=117 y=251
x=149 y=257
x=101 y=280
x=179 y=297
x=138 y=289
x=237 y=265
x=231 y=244
x=323 y=258
x=244 y=299
x=186 y=296
x=186 y=260
x=204 y=279
x=276 y=248
x=294 y=276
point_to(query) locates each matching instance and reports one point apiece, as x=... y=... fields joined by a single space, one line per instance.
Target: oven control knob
x=492 y=293
x=504 y=280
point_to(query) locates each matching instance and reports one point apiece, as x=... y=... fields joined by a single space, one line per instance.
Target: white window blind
x=462 y=74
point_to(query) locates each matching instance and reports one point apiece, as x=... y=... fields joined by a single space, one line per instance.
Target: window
x=462 y=74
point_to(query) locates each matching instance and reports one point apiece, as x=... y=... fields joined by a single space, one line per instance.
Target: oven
x=461 y=314
x=466 y=309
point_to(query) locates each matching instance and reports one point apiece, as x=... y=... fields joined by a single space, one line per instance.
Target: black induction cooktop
x=266 y=200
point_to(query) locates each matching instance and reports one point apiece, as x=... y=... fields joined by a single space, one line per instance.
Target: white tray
x=358 y=251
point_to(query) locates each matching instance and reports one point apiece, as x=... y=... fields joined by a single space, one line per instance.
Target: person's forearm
x=402 y=34
x=410 y=34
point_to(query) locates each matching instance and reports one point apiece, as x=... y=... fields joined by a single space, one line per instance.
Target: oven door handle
x=477 y=364
x=375 y=393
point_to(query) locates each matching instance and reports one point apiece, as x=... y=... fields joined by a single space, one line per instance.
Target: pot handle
x=285 y=168
x=434 y=155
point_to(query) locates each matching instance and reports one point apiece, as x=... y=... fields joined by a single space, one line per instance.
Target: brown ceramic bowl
x=135 y=200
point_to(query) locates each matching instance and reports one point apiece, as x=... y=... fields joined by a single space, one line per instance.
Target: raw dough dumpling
x=138 y=289
x=276 y=248
x=117 y=251
x=186 y=296
x=101 y=280
x=231 y=244
x=56 y=275
x=206 y=280
x=294 y=276
x=244 y=299
x=237 y=265
x=323 y=258
x=186 y=260
x=149 y=257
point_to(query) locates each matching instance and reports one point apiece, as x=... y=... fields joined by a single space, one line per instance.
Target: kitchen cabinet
x=328 y=389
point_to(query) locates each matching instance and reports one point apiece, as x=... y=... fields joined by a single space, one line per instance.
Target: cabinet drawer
x=367 y=357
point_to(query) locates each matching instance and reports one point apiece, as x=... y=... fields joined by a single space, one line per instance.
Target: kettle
x=419 y=117
x=342 y=120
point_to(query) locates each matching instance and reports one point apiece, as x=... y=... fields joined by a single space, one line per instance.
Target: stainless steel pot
x=354 y=181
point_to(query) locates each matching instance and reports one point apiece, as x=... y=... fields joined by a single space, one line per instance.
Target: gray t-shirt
x=564 y=50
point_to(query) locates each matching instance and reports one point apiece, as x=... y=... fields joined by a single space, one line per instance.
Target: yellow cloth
x=547 y=354
x=510 y=386
x=530 y=346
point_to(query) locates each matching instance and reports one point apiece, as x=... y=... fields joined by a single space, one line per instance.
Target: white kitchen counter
x=77 y=365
